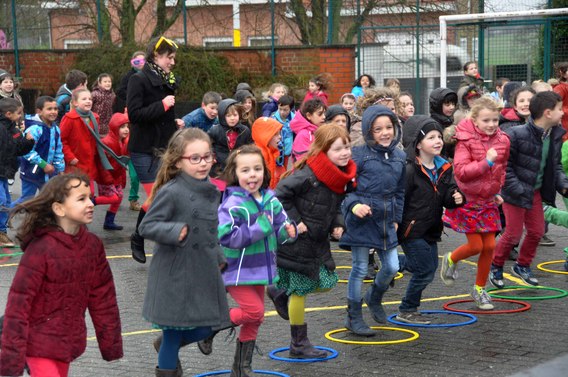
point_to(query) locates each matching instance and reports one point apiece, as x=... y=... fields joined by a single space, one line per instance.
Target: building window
x=262 y=41
x=74 y=44
x=218 y=42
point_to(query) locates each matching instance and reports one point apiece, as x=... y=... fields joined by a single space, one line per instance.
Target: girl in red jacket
x=317 y=87
x=62 y=273
x=480 y=162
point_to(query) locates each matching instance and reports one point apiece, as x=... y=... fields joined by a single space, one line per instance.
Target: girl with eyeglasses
x=185 y=295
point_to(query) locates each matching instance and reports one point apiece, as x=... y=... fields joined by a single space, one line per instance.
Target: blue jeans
x=5 y=204
x=146 y=166
x=29 y=190
x=360 y=260
x=421 y=259
x=171 y=341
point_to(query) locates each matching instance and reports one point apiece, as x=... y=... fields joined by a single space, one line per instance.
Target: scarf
x=168 y=78
x=335 y=178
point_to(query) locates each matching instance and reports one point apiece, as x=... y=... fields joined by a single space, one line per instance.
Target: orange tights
x=477 y=243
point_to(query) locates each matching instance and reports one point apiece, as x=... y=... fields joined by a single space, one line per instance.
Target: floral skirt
x=474 y=218
x=300 y=285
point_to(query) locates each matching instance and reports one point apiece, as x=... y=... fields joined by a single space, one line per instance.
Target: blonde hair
x=374 y=95
x=482 y=103
x=75 y=94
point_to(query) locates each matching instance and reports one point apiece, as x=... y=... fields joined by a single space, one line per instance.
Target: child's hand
x=362 y=210
x=183 y=233
x=48 y=169
x=302 y=228
x=29 y=136
x=291 y=230
x=337 y=232
x=498 y=199
x=180 y=124
x=458 y=197
x=491 y=154
x=73 y=162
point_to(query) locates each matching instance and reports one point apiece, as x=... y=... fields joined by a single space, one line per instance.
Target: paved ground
x=532 y=343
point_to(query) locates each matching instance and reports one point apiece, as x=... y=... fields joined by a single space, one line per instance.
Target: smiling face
x=76 y=209
x=407 y=105
x=487 y=121
x=339 y=152
x=279 y=91
x=383 y=130
x=199 y=149
x=317 y=117
x=247 y=105
x=313 y=87
x=105 y=83
x=431 y=145
x=522 y=103
x=123 y=131
x=250 y=172
x=365 y=82
x=84 y=101
x=448 y=108
x=348 y=104
x=15 y=116
x=48 y=114
x=166 y=61
x=7 y=85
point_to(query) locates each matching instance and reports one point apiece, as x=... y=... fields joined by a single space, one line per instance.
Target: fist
x=491 y=155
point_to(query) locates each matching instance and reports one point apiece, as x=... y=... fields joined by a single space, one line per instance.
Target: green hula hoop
x=562 y=293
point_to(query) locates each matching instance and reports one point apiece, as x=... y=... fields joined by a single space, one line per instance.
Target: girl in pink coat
x=480 y=162
x=305 y=123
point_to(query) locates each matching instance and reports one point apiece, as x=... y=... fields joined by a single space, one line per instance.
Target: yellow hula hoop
x=415 y=335
x=398 y=275
x=540 y=267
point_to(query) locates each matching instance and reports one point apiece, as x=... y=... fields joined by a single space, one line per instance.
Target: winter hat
x=415 y=129
x=431 y=126
x=335 y=110
x=243 y=86
x=509 y=89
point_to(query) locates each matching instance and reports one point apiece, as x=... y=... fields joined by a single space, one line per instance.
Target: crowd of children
x=263 y=197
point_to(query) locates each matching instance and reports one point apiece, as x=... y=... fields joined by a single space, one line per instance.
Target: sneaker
x=448 y=273
x=496 y=277
x=134 y=205
x=545 y=241
x=525 y=274
x=482 y=299
x=514 y=254
x=414 y=318
x=6 y=241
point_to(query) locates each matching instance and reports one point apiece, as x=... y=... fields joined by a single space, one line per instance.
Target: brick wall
x=45 y=70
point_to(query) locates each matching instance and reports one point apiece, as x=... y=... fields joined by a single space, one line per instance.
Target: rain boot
x=354 y=321
x=243 y=359
x=300 y=346
x=280 y=300
x=109 y=222
x=373 y=298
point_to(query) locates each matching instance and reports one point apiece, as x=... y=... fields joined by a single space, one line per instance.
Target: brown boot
x=243 y=359
x=300 y=346
x=167 y=372
x=158 y=343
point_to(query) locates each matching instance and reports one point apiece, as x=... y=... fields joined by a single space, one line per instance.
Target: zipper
x=385 y=225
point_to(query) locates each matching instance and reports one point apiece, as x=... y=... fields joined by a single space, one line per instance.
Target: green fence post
x=15 y=44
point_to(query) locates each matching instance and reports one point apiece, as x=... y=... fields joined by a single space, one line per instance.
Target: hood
x=509 y=89
x=241 y=95
x=300 y=123
x=334 y=110
x=462 y=102
x=63 y=90
x=68 y=240
x=369 y=116
x=438 y=97
x=222 y=110
x=510 y=114
x=117 y=121
x=264 y=129
x=243 y=86
x=412 y=128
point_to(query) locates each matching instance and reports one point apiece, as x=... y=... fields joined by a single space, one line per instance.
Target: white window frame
x=217 y=40
x=86 y=42
x=262 y=38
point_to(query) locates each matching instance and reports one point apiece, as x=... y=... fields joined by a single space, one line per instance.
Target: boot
x=373 y=298
x=300 y=346
x=354 y=321
x=137 y=247
x=206 y=345
x=280 y=300
x=158 y=343
x=168 y=372
x=109 y=222
x=243 y=359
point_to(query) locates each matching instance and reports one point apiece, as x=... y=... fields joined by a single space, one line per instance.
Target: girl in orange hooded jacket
x=266 y=136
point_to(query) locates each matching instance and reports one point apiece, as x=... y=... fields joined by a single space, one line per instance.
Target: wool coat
x=185 y=288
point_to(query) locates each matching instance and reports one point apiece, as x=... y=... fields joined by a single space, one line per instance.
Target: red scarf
x=329 y=174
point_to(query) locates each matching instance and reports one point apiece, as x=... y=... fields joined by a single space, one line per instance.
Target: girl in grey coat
x=186 y=296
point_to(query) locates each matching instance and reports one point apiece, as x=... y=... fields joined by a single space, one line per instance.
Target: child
x=62 y=273
x=317 y=87
x=46 y=159
x=374 y=96
x=248 y=102
x=266 y=133
x=311 y=196
x=103 y=98
x=252 y=222
x=509 y=88
x=372 y=214
x=519 y=111
x=405 y=107
x=275 y=91
x=74 y=79
x=361 y=84
x=305 y=123
x=228 y=135
x=117 y=141
x=8 y=86
x=471 y=76
x=430 y=187
x=443 y=102
x=562 y=89
x=336 y=114
x=394 y=85
x=534 y=174
x=497 y=95
x=479 y=169
x=206 y=116
x=348 y=102
x=12 y=144
x=466 y=96
x=186 y=296
x=284 y=115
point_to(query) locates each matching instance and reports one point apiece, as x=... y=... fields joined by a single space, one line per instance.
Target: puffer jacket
x=475 y=178
x=524 y=165
x=60 y=276
x=304 y=131
x=380 y=185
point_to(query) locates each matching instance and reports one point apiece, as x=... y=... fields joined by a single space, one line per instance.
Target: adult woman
x=150 y=101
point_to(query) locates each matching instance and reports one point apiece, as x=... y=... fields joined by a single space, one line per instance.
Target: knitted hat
x=431 y=126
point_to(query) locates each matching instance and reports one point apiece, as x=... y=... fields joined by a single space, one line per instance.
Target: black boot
x=300 y=346
x=373 y=298
x=109 y=222
x=280 y=300
x=243 y=359
x=354 y=321
x=168 y=372
x=137 y=241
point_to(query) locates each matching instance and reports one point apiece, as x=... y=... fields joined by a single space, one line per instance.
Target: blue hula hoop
x=218 y=372
x=472 y=319
x=332 y=355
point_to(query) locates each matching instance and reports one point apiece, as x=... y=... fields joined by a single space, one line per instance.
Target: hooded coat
x=102 y=104
x=380 y=185
x=12 y=144
x=59 y=277
x=263 y=130
x=119 y=147
x=335 y=110
x=509 y=118
x=304 y=131
x=437 y=99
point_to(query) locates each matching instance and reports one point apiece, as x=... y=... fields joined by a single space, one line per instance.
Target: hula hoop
x=562 y=293
x=414 y=336
x=218 y=372
x=472 y=319
x=397 y=276
x=542 y=268
x=332 y=355
x=524 y=307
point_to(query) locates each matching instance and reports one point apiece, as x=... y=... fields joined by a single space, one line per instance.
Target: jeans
x=360 y=260
x=29 y=190
x=5 y=204
x=146 y=166
x=421 y=259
